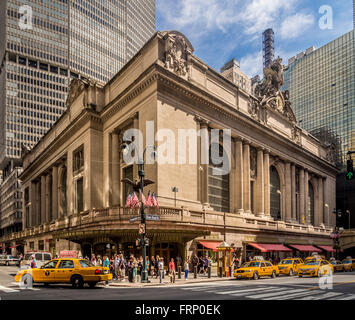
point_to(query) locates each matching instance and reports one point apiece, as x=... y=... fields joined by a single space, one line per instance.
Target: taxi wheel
x=92 y=284
x=77 y=281
x=273 y=275
x=255 y=276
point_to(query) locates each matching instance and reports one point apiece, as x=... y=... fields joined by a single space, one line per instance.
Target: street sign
x=132 y=219
x=152 y=217
x=141 y=228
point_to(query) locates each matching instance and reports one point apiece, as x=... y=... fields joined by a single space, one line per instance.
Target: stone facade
x=73 y=175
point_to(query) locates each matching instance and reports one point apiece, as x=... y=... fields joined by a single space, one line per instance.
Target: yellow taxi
x=65 y=270
x=315 y=268
x=256 y=269
x=337 y=265
x=289 y=266
x=314 y=257
x=349 y=264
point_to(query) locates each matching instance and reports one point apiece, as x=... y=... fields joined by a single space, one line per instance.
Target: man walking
x=161 y=269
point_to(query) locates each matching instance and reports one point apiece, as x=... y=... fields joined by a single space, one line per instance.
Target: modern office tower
x=44 y=44
x=231 y=70
x=322 y=92
x=268 y=47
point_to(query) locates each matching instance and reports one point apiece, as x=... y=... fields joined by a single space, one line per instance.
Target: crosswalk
x=271 y=292
x=15 y=287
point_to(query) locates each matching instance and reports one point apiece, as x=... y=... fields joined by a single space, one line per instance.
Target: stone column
x=293 y=192
x=115 y=156
x=260 y=183
x=38 y=203
x=327 y=212
x=302 y=206
x=321 y=201
x=43 y=199
x=306 y=200
x=55 y=192
x=246 y=177
x=239 y=176
x=267 y=183
x=204 y=172
x=48 y=198
x=33 y=204
x=288 y=191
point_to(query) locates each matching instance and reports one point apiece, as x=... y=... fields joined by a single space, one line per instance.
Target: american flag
x=142 y=197
x=128 y=201
x=134 y=201
x=149 y=202
x=155 y=200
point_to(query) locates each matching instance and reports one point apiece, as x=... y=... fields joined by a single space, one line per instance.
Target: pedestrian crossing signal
x=349 y=170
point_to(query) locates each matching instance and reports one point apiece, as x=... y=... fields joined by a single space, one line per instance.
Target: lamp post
x=348 y=213
x=335 y=235
x=140 y=186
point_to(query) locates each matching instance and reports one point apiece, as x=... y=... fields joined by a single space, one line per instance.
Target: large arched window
x=218 y=180
x=275 y=194
x=310 y=203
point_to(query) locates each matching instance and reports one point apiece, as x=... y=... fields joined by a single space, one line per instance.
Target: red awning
x=305 y=248
x=211 y=245
x=328 y=248
x=269 y=247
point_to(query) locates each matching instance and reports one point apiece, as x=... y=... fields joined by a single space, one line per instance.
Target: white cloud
x=252 y=64
x=295 y=25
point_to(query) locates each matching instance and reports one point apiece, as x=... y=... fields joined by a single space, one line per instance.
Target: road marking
x=8 y=290
x=245 y=291
x=295 y=295
x=275 y=293
x=350 y=297
x=323 y=296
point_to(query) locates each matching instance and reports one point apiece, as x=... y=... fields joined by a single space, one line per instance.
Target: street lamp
x=140 y=186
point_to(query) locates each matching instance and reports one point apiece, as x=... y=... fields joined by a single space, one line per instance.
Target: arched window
x=310 y=203
x=218 y=181
x=275 y=194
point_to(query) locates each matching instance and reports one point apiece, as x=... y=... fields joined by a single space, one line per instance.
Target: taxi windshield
x=254 y=264
x=86 y=263
x=286 y=262
x=312 y=263
x=347 y=261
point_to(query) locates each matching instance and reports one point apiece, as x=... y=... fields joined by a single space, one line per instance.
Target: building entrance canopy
x=327 y=248
x=212 y=245
x=305 y=248
x=266 y=247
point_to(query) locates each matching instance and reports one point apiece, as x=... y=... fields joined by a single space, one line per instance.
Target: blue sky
x=222 y=29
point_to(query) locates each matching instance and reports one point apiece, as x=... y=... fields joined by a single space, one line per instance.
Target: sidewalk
x=166 y=281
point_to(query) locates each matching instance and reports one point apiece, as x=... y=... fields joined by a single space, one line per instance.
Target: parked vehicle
x=349 y=264
x=41 y=258
x=256 y=269
x=9 y=260
x=338 y=265
x=316 y=268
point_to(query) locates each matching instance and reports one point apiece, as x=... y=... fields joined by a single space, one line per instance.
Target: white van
x=41 y=258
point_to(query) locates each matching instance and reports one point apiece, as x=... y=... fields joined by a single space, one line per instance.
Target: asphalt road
x=342 y=287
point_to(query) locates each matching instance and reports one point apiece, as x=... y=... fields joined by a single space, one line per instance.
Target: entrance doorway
x=167 y=251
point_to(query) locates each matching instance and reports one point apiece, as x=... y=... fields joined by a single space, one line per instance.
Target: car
x=314 y=257
x=315 y=268
x=65 y=270
x=349 y=264
x=41 y=258
x=338 y=265
x=289 y=266
x=256 y=269
x=9 y=260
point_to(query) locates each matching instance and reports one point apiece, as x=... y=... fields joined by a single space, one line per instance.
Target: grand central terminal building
x=278 y=194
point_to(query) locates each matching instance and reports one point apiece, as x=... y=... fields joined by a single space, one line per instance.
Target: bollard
x=179 y=272
x=195 y=272
x=220 y=272
x=230 y=271
x=209 y=271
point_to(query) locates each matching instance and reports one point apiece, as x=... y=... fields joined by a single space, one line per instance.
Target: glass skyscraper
x=46 y=43
x=322 y=90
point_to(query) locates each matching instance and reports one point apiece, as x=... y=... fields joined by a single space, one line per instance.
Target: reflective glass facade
x=322 y=90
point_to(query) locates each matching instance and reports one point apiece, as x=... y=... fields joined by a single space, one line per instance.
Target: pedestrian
x=156 y=267
x=106 y=264
x=93 y=260
x=33 y=262
x=135 y=267
x=139 y=268
x=116 y=267
x=147 y=266
x=161 y=269
x=20 y=260
x=205 y=265
x=152 y=266
x=122 y=267
x=172 y=270
x=186 y=268
x=99 y=261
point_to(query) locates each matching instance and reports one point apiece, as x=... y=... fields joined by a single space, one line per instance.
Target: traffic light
x=349 y=170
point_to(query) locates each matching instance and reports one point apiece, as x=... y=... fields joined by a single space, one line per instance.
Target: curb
x=140 y=285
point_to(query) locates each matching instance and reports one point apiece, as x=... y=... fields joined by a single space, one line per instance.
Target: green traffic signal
x=349 y=170
x=350 y=175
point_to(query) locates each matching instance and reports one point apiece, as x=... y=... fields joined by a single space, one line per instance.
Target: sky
x=220 y=30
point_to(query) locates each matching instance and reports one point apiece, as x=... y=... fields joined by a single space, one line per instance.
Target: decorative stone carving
x=296 y=134
x=75 y=89
x=177 y=53
x=331 y=153
x=269 y=93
